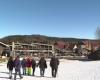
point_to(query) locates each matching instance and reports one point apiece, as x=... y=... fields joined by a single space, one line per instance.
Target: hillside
x=37 y=38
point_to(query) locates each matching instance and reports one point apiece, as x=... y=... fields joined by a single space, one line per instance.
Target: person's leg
x=40 y=72
x=15 y=75
x=9 y=73
x=30 y=70
x=24 y=71
x=43 y=71
x=55 y=72
x=20 y=74
x=52 y=70
x=33 y=70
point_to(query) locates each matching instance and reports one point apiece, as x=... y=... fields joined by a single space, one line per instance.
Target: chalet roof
x=59 y=44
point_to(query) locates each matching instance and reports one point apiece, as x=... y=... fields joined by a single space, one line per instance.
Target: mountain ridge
x=38 y=38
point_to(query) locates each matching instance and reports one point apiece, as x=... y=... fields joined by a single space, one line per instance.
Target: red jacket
x=28 y=63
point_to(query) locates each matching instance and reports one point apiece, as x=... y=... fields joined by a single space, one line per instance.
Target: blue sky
x=60 y=18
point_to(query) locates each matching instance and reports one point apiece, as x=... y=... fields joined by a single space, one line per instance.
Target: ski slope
x=68 y=70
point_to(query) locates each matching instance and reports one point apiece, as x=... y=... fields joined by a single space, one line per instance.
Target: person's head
x=17 y=57
x=10 y=58
x=54 y=56
x=33 y=58
x=24 y=57
x=42 y=57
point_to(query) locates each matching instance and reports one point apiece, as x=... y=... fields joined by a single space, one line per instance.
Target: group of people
x=29 y=64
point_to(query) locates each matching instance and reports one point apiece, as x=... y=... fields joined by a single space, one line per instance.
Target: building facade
x=2 y=47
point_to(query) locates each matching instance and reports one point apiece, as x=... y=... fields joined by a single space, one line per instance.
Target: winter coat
x=33 y=63
x=23 y=63
x=42 y=63
x=54 y=62
x=29 y=63
x=10 y=64
x=17 y=64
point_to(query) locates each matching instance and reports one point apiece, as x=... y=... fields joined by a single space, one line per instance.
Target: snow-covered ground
x=68 y=70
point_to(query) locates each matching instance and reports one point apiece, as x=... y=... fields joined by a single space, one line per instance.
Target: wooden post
x=53 y=50
x=13 y=47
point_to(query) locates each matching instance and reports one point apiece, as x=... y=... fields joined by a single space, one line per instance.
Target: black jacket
x=42 y=63
x=10 y=64
x=54 y=62
x=33 y=63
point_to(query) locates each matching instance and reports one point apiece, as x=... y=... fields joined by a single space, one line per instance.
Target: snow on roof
x=75 y=47
x=4 y=44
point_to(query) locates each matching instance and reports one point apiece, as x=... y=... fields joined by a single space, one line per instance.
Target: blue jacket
x=17 y=64
x=23 y=63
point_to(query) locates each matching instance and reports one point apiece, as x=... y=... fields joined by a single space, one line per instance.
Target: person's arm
x=50 y=63
x=57 y=61
x=35 y=63
x=7 y=64
x=45 y=64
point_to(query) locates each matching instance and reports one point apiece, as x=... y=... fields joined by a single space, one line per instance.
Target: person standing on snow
x=23 y=63
x=54 y=62
x=10 y=66
x=17 y=65
x=29 y=65
x=33 y=65
x=42 y=65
